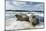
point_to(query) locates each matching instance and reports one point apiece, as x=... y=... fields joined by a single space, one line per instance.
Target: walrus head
x=34 y=20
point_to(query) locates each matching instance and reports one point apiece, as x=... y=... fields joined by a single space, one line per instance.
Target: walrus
x=32 y=19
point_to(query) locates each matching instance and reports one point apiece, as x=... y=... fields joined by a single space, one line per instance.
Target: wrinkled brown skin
x=20 y=18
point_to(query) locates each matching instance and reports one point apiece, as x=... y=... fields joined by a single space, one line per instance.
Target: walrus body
x=32 y=19
x=22 y=18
